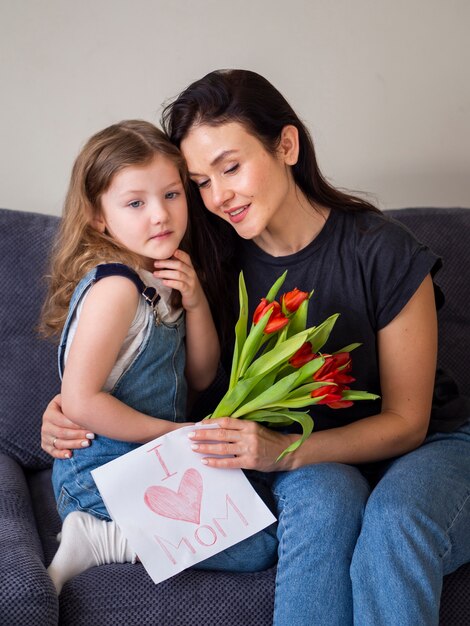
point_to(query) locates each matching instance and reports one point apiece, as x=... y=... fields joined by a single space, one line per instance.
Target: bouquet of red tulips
x=278 y=366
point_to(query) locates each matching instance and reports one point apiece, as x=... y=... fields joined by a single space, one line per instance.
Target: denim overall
x=153 y=384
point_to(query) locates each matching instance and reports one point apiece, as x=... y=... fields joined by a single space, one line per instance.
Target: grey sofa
x=114 y=595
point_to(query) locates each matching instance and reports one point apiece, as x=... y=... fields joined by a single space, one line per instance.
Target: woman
x=373 y=508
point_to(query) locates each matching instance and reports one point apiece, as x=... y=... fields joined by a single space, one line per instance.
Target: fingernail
x=192 y=434
x=67 y=455
x=204 y=461
x=85 y=443
x=90 y=435
x=194 y=446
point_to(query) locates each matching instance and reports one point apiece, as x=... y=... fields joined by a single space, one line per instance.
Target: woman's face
x=239 y=180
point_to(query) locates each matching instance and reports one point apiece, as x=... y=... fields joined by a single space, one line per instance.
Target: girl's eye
x=203 y=184
x=135 y=204
x=171 y=195
x=233 y=169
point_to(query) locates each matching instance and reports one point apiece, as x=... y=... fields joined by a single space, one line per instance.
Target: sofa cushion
x=28 y=363
x=27 y=595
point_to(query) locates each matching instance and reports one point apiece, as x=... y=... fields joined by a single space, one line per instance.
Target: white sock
x=87 y=541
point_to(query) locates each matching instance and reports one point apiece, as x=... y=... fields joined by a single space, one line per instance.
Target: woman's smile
x=236 y=215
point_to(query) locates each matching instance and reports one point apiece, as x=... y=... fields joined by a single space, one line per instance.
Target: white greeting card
x=174 y=510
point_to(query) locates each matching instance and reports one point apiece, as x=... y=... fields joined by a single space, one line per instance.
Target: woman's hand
x=250 y=445
x=59 y=435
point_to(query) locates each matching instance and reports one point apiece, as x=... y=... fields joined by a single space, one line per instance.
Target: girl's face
x=145 y=209
x=239 y=180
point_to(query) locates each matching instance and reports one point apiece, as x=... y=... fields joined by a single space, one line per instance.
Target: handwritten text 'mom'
x=204 y=536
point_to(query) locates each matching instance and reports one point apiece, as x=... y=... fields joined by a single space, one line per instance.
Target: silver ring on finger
x=53 y=442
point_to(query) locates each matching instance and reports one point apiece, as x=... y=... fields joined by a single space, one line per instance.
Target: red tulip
x=293 y=299
x=261 y=309
x=333 y=396
x=332 y=393
x=303 y=355
x=341 y=404
x=276 y=321
x=330 y=370
x=334 y=370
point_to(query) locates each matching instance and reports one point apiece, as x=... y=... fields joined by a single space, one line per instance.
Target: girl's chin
x=164 y=255
x=148 y=264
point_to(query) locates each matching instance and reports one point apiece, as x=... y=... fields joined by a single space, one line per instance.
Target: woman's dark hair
x=247 y=98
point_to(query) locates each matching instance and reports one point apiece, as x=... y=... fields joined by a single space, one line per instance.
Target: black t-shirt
x=364 y=266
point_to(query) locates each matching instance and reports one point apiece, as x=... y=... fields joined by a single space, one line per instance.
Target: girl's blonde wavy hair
x=78 y=246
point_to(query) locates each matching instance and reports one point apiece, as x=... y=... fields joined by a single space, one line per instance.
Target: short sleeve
x=394 y=264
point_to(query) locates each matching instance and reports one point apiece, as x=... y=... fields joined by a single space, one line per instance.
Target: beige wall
x=383 y=85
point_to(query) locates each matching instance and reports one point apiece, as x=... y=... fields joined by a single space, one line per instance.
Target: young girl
x=123 y=332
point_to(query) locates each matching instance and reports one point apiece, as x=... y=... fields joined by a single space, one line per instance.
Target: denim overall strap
x=118 y=269
x=103 y=271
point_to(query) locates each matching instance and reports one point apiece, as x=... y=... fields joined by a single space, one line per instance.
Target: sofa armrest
x=27 y=595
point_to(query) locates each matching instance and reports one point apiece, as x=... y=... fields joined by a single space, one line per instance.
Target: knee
x=395 y=516
x=331 y=495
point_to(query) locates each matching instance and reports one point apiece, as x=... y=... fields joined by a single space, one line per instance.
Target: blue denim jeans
x=373 y=556
x=256 y=553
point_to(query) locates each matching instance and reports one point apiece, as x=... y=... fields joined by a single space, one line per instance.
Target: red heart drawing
x=184 y=504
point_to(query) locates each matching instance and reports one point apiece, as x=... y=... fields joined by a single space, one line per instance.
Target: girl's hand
x=178 y=273
x=202 y=344
x=59 y=435
x=250 y=445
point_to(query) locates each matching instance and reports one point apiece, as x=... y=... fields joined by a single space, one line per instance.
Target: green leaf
x=285 y=418
x=278 y=355
x=269 y=417
x=306 y=421
x=295 y=403
x=252 y=344
x=271 y=341
x=355 y=394
x=305 y=372
x=299 y=403
x=349 y=348
x=278 y=391
x=283 y=371
x=240 y=329
x=272 y=293
x=266 y=381
x=283 y=334
x=233 y=398
x=305 y=390
x=319 y=334
x=309 y=369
